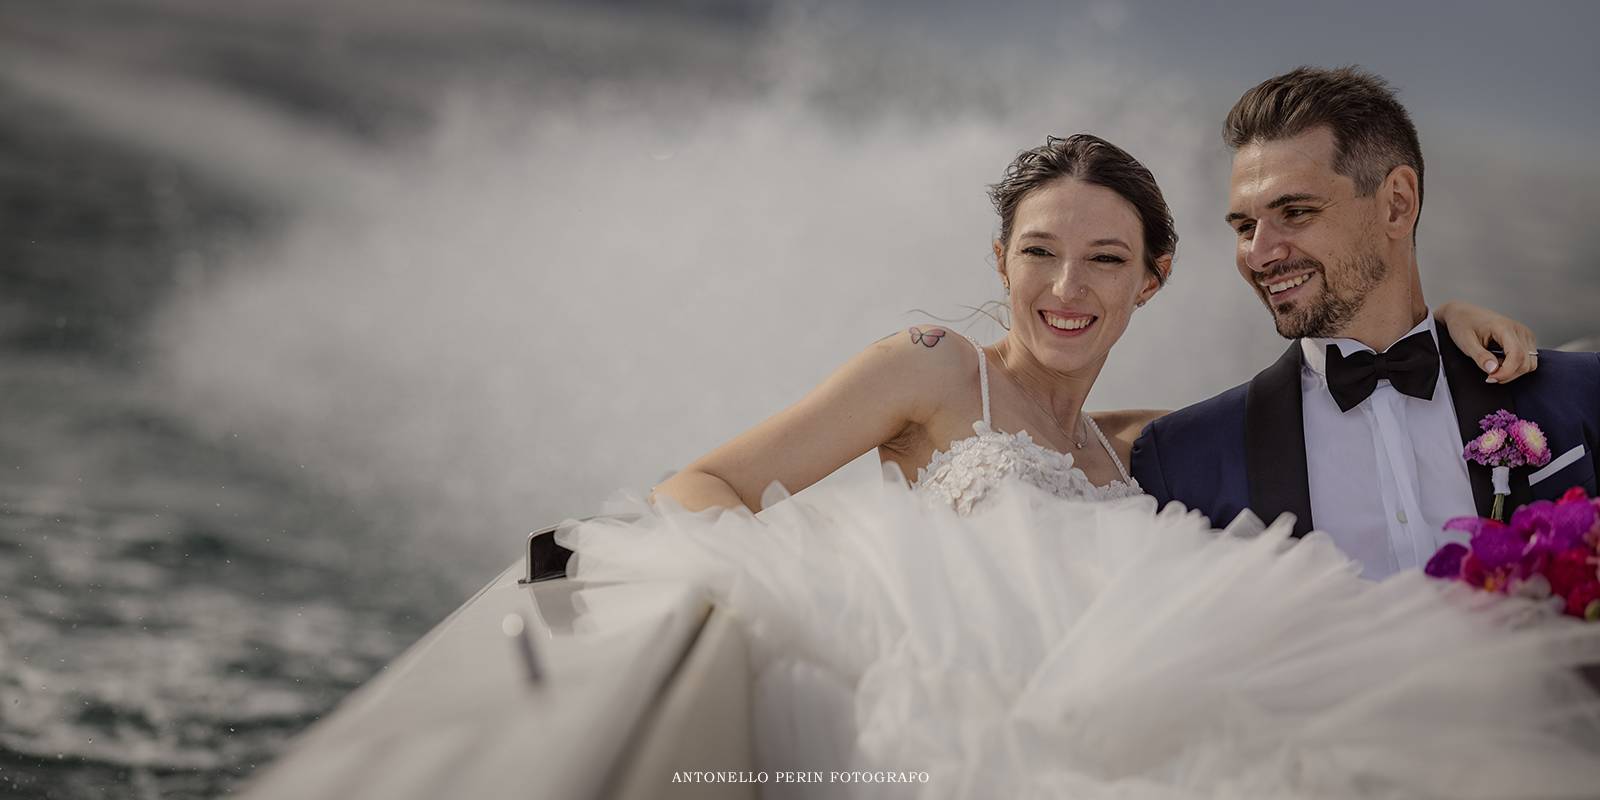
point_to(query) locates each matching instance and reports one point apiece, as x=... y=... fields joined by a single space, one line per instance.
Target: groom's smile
x=1296 y=282
x=1287 y=285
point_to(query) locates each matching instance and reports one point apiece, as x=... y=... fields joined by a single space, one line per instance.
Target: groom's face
x=1307 y=245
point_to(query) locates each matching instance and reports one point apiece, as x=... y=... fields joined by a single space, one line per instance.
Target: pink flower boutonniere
x=1507 y=442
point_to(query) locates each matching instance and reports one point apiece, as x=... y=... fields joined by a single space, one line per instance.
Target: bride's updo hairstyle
x=1094 y=161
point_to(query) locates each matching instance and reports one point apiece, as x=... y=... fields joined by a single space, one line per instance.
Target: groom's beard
x=1332 y=310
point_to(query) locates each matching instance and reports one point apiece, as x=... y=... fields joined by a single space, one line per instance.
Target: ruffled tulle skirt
x=1049 y=648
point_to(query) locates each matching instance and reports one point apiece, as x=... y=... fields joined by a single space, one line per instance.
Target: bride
x=1021 y=621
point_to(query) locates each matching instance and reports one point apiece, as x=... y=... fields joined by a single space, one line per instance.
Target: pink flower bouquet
x=1549 y=552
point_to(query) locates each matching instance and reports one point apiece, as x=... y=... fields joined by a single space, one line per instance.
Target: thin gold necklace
x=1078 y=443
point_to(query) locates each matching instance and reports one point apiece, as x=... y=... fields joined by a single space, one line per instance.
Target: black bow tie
x=1411 y=366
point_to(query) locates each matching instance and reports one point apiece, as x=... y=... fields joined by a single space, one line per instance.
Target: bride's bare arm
x=1473 y=327
x=868 y=401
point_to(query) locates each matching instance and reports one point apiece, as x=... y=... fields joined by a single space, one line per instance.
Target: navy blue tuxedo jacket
x=1246 y=448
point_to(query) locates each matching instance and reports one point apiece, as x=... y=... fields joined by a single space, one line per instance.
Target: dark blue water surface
x=172 y=606
x=176 y=602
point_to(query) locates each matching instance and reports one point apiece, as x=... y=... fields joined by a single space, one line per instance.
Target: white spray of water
x=540 y=308
x=539 y=305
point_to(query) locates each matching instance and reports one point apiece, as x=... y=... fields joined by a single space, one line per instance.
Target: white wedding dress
x=1012 y=630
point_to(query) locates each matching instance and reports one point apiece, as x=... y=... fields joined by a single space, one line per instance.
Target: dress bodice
x=970 y=468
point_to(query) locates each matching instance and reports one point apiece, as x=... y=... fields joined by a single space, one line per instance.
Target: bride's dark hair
x=1093 y=160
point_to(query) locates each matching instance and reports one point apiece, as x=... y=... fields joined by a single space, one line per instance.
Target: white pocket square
x=1556 y=465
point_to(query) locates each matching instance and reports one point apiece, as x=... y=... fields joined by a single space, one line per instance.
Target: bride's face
x=1076 y=268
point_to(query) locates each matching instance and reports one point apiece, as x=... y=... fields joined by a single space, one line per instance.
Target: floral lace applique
x=964 y=474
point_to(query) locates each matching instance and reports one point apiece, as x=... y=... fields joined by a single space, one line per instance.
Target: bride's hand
x=1473 y=327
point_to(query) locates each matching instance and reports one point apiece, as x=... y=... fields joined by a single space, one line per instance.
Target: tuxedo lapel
x=1275 y=443
x=1473 y=400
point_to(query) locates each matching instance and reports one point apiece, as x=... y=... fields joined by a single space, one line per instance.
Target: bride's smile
x=1066 y=323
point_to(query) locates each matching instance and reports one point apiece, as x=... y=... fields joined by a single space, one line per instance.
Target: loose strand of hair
x=995 y=310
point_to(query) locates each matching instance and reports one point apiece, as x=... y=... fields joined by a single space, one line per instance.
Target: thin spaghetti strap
x=1121 y=470
x=983 y=377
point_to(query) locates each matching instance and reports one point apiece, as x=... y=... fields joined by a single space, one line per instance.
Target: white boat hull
x=639 y=682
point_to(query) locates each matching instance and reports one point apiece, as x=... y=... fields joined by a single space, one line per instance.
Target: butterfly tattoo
x=927 y=338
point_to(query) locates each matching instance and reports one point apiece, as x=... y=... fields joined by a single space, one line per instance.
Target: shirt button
x=1400 y=517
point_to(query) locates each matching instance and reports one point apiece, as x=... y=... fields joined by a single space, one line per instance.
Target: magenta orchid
x=1548 y=550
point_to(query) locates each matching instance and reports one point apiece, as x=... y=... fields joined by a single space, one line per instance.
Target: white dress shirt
x=1387 y=474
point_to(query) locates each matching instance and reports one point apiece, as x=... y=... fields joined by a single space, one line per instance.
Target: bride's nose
x=1070 y=282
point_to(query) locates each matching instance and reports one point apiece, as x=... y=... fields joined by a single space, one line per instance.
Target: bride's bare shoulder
x=928 y=352
x=923 y=369
x=1126 y=424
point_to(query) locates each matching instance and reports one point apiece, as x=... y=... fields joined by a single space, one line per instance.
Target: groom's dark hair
x=1372 y=133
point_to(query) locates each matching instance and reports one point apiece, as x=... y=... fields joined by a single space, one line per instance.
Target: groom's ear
x=1401 y=202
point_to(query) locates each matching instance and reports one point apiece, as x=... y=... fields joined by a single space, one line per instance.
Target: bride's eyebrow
x=1039 y=235
x=1108 y=242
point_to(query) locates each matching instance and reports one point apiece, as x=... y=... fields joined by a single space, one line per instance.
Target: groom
x=1358 y=428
